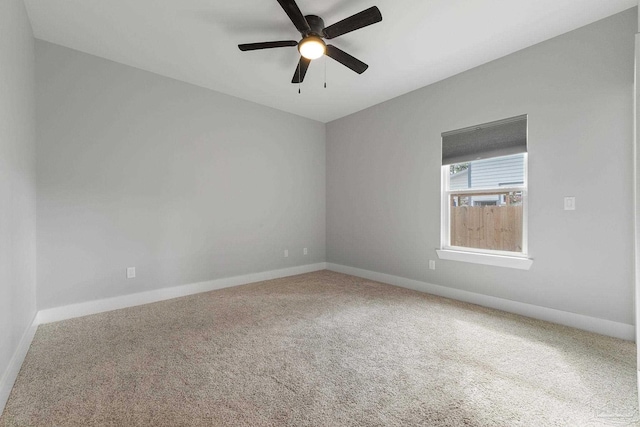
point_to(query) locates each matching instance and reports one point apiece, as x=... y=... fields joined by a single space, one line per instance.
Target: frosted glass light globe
x=312 y=47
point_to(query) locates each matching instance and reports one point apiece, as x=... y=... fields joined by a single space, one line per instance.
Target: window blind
x=495 y=139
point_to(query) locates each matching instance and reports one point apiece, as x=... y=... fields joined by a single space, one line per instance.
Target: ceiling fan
x=313 y=31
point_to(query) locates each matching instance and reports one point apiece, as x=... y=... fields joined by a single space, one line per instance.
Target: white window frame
x=509 y=259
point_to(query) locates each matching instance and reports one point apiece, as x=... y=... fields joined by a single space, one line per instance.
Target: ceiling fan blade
x=301 y=70
x=293 y=11
x=345 y=59
x=266 y=45
x=354 y=22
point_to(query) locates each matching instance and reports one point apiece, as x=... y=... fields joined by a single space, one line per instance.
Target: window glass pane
x=487 y=173
x=487 y=221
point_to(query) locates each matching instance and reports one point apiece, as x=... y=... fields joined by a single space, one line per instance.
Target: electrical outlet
x=305 y=251
x=569 y=203
x=131 y=272
x=286 y=253
x=432 y=264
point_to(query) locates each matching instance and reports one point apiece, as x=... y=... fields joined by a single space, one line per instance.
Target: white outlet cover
x=305 y=251
x=432 y=264
x=569 y=203
x=131 y=272
x=286 y=253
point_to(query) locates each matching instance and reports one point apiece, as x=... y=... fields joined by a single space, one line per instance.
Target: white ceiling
x=417 y=43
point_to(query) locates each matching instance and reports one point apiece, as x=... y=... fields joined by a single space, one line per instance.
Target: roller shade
x=495 y=139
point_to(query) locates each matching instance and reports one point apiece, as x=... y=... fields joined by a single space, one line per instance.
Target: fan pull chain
x=325 y=71
x=299 y=83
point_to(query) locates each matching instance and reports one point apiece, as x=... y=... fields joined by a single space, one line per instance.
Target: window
x=484 y=193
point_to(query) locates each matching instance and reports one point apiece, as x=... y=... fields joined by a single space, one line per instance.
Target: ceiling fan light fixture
x=312 y=47
x=313 y=31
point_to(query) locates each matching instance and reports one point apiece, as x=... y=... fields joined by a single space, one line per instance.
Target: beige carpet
x=321 y=349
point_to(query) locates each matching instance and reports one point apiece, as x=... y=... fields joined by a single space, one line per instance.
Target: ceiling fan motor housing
x=312 y=45
x=317 y=26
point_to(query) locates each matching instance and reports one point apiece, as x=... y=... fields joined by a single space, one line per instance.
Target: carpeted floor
x=321 y=349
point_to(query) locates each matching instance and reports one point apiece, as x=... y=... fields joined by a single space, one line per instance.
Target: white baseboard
x=579 y=321
x=11 y=373
x=98 y=306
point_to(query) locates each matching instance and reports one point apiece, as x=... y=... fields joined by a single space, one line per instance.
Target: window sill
x=486 y=259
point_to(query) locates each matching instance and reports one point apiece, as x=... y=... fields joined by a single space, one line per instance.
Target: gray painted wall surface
x=383 y=173
x=183 y=183
x=17 y=178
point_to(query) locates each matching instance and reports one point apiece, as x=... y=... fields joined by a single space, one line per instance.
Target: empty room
x=339 y=213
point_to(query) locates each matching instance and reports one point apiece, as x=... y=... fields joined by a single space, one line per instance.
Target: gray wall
x=17 y=178
x=383 y=173
x=183 y=183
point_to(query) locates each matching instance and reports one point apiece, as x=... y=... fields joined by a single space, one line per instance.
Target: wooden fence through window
x=487 y=227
